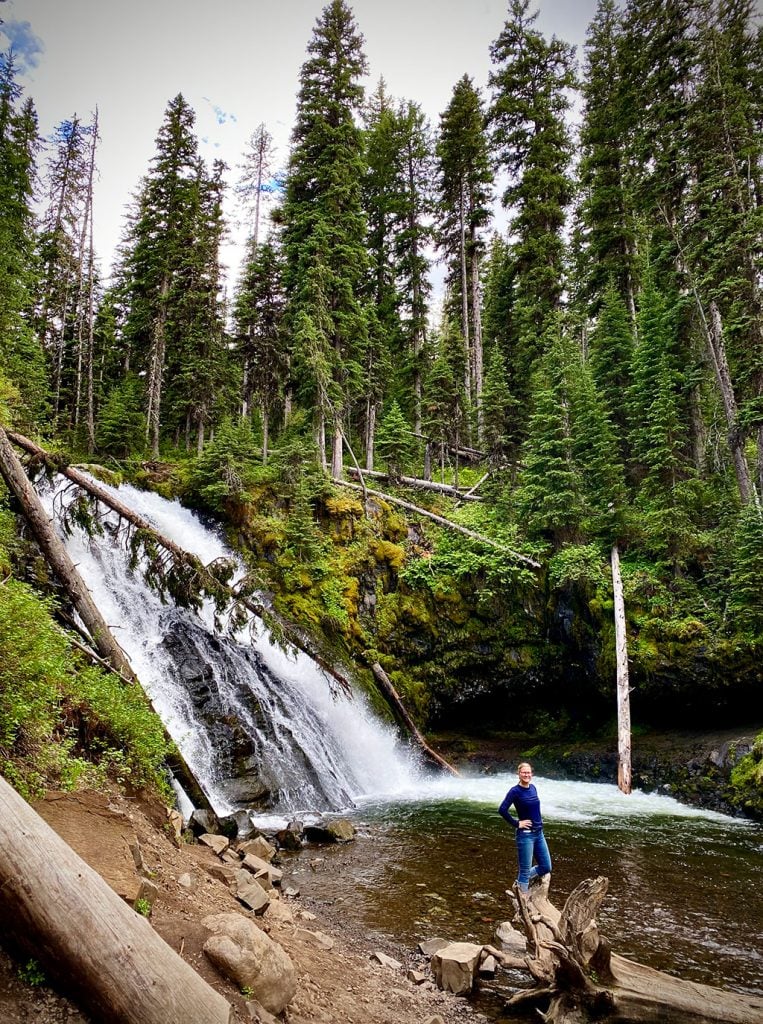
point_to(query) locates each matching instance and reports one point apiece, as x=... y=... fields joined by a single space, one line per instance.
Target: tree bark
x=61 y=912
x=574 y=968
x=393 y=699
x=623 y=687
x=58 y=557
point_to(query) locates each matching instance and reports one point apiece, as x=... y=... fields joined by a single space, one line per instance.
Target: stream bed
x=685 y=885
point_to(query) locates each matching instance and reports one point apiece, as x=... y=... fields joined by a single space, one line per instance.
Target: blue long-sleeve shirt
x=527 y=804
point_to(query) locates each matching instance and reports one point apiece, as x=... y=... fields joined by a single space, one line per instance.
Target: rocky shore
x=325 y=971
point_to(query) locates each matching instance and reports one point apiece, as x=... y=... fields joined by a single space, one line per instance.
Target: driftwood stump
x=579 y=980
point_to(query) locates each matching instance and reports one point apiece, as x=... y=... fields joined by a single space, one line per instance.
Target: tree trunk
x=623 y=687
x=477 y=342
x=424 y=485
x=581 y=980
x=370 y=433
x=393 y=699
x=265 y=413
x=61 y=912
x=58 y=557
x=337 y=462
x=156 y=370
x=465 y=296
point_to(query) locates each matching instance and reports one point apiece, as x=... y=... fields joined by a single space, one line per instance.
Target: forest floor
x=341 y=984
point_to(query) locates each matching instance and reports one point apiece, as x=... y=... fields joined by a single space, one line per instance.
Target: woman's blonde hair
x=524 y=764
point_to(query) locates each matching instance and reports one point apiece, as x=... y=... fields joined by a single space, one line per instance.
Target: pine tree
x=597 y=455
x=530 y=84
x=21 y=356
x=61 y=257
x=324 y=224
x=605 y=213
x=262 y=348
x=395 y=443
x=722 y=228
x=171 y=281
x=611 y=353
x=496 y=409
x=121 y=428
x=465 y=180
x=445 y=404
x=746 y=596
x=550 y=498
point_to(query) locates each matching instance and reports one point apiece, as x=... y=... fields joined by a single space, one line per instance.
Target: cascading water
x=260 y=729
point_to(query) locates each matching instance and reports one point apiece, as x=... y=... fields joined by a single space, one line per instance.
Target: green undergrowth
x=64 y=723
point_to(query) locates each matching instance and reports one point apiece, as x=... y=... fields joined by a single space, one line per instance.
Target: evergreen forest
x=589 y=379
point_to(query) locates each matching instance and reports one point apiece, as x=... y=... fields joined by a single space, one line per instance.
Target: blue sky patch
x=27 y=47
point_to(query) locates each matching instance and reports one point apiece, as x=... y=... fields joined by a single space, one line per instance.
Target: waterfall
x=260 y=729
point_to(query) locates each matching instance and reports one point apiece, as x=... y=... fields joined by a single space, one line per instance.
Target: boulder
x=217 y=843
x=254 y=897
x=290 y=838
x=202 y=821
x=510 y=939
x=257 y=866
x=319 y=939
x=337 y=831
x=488 y=967
x=258 y=847
x=244 y=953
x=279 y=912
x=455 y=966
x=430 y=946
x=224 y=873
x=417 y=977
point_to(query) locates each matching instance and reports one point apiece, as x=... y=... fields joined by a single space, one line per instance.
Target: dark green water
x=685 y=888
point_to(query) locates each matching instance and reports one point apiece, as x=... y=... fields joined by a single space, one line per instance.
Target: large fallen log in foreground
x=63 y=914
x=579 y=979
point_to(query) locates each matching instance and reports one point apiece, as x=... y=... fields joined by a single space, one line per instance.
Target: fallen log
x=442 y=521
x=416 y=483
x=58 y=910
x=393 y=698
x=581 y=980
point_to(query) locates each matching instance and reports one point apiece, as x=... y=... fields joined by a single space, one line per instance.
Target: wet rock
x=290 y=838
x=431 y=946
x=338 y=831
x=510 y=939
x=258 y=847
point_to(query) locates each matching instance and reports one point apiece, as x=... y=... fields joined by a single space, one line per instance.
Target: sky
x=237 y=64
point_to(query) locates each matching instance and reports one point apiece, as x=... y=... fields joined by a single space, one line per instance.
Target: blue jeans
x=529 y=842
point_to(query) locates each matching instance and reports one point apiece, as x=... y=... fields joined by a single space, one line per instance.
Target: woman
x=529 y=828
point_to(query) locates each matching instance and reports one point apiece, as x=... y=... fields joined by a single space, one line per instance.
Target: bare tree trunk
x=477 y=379
x=623 y=687
x=58 y=557
x=90 y=356
x=264 y=412
x=321 y=438
x=465 y=296
x=723 y=377
x=337 y=462
x=370 y=433
x=394 y=699
x=61 y=912
x=156 y=370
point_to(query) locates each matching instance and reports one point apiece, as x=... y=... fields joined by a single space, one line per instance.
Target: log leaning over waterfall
x=289 y=633
x=107 y=649
x=58 y=910
x=393 y=698
x=582 y=980
x=178 y=553
x=59 y=560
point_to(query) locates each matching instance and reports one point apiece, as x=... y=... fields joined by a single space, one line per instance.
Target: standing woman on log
x=529 y=828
